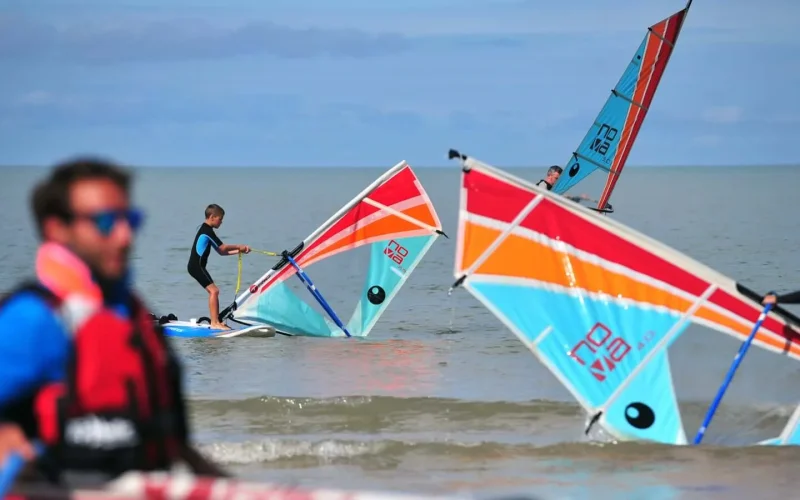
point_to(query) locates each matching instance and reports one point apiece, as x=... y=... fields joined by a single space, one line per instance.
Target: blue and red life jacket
x=120 y=407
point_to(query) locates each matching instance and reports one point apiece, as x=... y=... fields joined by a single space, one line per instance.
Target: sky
x=371 y=82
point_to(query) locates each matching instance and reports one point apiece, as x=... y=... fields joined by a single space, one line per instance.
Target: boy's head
x=214 y=215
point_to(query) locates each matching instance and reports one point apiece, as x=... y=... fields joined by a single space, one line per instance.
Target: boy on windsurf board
x=204 y=240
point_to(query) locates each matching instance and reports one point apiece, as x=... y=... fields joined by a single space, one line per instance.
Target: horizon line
x=517 y=167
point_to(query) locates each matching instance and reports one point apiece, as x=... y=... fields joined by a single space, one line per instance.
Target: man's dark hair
x=50 y=198
x=214 y=210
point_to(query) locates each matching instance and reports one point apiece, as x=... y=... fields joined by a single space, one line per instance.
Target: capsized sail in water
x=598 y=303
x=609 y=141
x=394 y=216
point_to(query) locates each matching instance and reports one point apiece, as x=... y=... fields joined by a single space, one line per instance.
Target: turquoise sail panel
x=593 y=347
x=281 y=308
x=648 y=408
x=600 y=144
x=791 y=433
x=390 y=265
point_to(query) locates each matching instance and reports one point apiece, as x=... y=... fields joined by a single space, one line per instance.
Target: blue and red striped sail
x=608 y=142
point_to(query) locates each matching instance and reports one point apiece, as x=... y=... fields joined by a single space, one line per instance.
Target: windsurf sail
x=608 y=142
x=598 y=303
x=393 y=216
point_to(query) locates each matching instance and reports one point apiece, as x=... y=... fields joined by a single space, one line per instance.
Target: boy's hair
x=51 y=197
x=554 y=169
x=214 y=210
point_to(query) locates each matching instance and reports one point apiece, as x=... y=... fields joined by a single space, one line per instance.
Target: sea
x=441 y=398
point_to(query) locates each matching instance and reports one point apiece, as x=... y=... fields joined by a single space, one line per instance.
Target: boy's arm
x=230 y=249
x=222 y=248
x=227 y=248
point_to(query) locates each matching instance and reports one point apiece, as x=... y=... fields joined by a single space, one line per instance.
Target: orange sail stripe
x=423 y=213
x=661 y=28
x=650 y=55
x=521 y=257
x=384 y=227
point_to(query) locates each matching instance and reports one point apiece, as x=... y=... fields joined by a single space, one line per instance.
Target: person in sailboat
x=786 y=298
x=204 y=240
x=553 y=173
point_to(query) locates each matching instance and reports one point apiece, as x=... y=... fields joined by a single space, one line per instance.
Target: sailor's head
x=553 y=173
x=85 y=205
x=214 y=215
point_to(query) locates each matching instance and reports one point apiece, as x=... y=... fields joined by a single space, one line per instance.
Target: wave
x=454 y=409
x=388 y=453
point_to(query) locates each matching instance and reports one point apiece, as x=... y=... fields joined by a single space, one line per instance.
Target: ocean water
x=441 y=397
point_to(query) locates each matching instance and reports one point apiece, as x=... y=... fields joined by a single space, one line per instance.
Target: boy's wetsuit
x=198 y=254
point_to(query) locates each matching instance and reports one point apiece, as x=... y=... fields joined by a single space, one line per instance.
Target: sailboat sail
x=790 y=434
x=596 y=302
x=394 y=215
x=608 y=142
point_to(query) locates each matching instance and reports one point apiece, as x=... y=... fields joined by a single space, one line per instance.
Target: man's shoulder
x=26 y=308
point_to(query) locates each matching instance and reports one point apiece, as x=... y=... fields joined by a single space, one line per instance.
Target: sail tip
x=454 y=153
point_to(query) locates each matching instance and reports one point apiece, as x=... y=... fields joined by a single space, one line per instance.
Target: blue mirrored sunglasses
x=105 y=220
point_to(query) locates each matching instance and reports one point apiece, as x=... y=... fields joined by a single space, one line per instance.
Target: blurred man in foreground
x=84 y=370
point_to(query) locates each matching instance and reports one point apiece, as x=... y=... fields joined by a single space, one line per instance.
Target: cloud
x=723 y=114
x=24 y=38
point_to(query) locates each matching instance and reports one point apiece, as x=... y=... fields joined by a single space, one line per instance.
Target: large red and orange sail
x=598 y=303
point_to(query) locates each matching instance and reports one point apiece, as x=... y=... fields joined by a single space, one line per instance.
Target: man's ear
x=55 y=229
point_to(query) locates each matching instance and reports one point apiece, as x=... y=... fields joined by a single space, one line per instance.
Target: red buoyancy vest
x=120 y=407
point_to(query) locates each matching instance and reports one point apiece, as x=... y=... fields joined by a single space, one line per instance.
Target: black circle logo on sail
x=640 y=415
x=573 y=170
x=376 y=295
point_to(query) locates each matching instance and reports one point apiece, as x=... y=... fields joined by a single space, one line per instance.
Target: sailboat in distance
x=609 y=141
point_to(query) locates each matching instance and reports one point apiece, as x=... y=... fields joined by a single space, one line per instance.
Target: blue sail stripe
x=601 y=142
x=281 y=308
x=593 y=348
x=391 y=263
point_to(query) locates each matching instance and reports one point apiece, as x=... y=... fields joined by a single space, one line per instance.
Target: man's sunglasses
x=105 y=220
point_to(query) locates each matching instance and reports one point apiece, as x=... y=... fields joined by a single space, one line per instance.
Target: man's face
x=100 y=231
x=552 y=177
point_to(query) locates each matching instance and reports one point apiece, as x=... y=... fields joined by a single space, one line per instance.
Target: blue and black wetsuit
x=198 y=254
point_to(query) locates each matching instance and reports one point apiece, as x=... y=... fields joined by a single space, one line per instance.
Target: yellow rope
x=239 y=266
